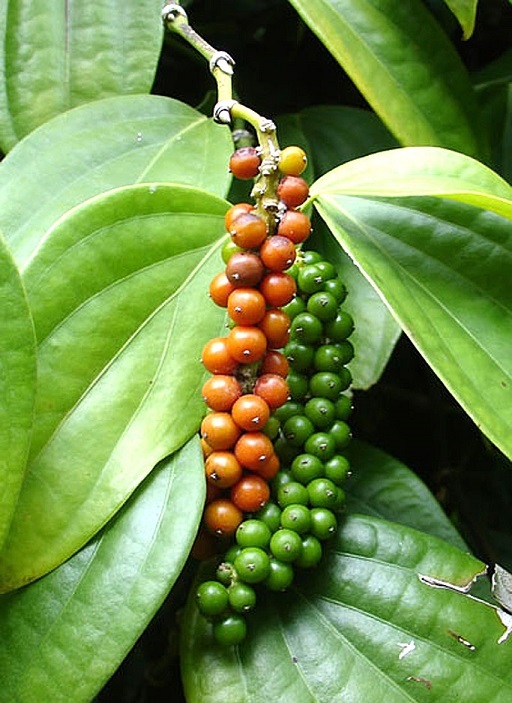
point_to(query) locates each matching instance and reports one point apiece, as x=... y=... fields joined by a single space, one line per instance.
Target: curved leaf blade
x=17 y=385
x=414 y=80
x=362 y=626
x=383 y=487
x=442 y=269
x=420 y=171
x=107 y=144
x=78 y=52
x=465 y=12
x=91 y=610
x=119 y=296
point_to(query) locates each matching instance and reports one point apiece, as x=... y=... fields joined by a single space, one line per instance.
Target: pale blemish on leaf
x=406 y=648
x=459 y=588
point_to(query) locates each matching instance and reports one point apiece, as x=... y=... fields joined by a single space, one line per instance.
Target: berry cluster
x=249 y=373
x=276 y=425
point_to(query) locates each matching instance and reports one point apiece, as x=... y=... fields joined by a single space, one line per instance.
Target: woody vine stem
x=227 y=109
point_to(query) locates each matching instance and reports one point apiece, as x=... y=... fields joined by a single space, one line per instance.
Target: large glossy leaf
x=56 y=55
x=442 y=268
x=119 y=296
x=404 y=66
x=364 y=626
x=113 y=142
x=382 y=486
x=332 y=135
x=420 y=171
x=17 y=385
x=64 y=635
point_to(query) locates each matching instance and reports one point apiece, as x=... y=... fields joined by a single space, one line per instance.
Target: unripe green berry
x=211 y=598
x=323 y=493
x=343 y=407
x=341 y=434
x=321 y=445
x=289 y=409
x=340 y=328
x=323 y=305
x=309 y=256
x=295 y=306
x=306 y=467
x=296 y=517
x=280 y=576
x=270 y=514
x=337 y=469
x=252 y=565
x=230 y=631
x=311 y=552
x=321 y=412
x=293 y=492
x=323 y=523
x=297 y=429
x=253 y=533
x=286 y=545
x=306 y=328
x=242 y=597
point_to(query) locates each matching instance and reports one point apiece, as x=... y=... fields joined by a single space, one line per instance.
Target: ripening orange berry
x=250 y=412
x=219 y=430
x=220 y=392
x=222 y=517
x=245 y=163
x=246 y=344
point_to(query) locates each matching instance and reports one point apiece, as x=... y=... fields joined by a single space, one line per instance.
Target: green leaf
x=420 y=171
x=364 y=626
x=55 y=56
x=404 y=65
x=382 y=486
x=442 y=268
x=111 y=143
x=332 y=135
x=17 y=385
x=465 y=12
x=64 y=636
x=119 y=293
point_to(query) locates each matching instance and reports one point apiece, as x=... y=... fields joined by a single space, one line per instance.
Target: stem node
x=222 y=111
x=171 y=11
x=223 y=61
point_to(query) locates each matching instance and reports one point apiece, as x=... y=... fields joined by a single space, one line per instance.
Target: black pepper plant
x=196 y=305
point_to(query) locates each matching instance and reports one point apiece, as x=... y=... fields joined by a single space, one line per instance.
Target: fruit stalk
x=274 y=432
